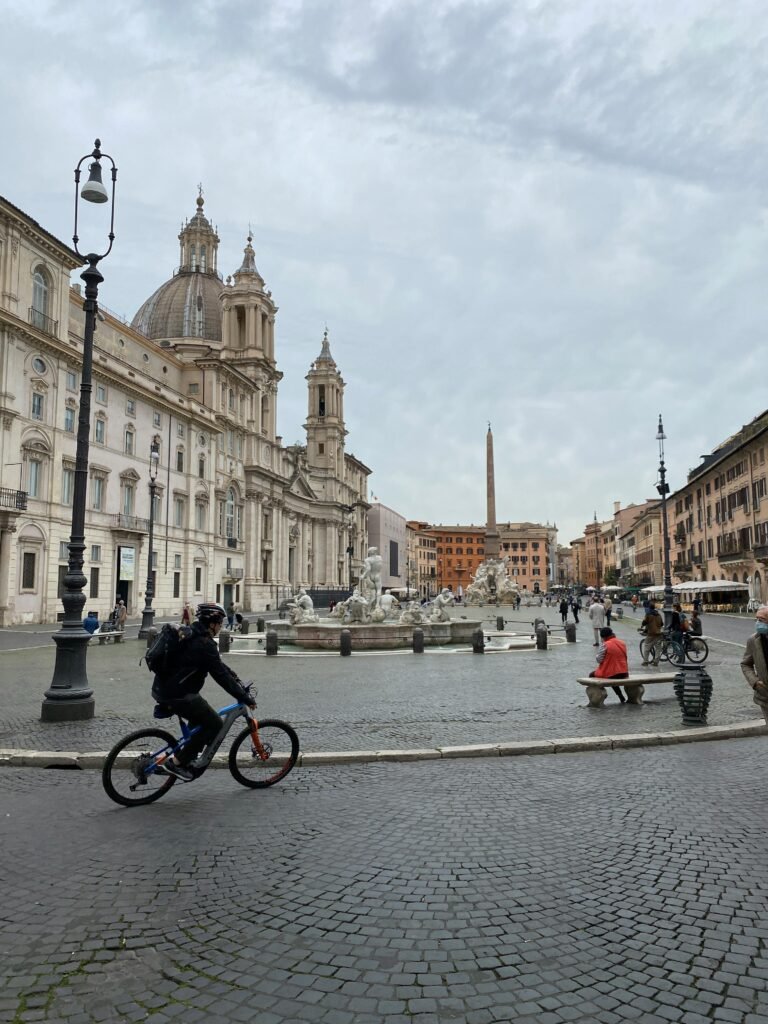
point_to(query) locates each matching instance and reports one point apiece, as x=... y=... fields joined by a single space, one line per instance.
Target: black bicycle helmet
x=210 y=612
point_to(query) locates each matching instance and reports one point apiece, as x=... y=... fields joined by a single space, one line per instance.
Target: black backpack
x=163 y=656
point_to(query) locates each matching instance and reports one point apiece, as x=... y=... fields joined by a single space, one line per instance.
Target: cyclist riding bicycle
x=180 y=691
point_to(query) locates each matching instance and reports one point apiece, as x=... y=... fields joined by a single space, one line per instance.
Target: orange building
x=459 y=551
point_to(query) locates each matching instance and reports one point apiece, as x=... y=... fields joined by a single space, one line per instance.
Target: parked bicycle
x=664 y=648
x=261 y=755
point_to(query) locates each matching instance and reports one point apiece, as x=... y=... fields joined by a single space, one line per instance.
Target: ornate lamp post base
x=147 y=622
x=68 y=699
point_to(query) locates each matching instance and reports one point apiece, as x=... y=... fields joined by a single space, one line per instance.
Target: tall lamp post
x=663 y=488
x=148 y=614
x=69 y=697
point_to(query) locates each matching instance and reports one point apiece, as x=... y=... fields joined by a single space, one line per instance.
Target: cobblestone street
x=600 y=887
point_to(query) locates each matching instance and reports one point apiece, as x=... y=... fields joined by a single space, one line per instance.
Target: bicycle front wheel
x=127 y=776
x=697 y=650
x=262 y=765
x=673 y=651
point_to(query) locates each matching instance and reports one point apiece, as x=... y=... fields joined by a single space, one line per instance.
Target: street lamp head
x=154 y=458
x=93 y=190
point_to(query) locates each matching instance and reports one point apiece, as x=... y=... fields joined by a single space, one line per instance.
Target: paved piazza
x=387 y=701
x=600 y=887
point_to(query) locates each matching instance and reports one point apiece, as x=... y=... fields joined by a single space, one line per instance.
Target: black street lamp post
x=148 y=614
x=663 y=488
x=69 y=697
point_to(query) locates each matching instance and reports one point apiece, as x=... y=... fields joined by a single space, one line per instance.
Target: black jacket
x=198 y=657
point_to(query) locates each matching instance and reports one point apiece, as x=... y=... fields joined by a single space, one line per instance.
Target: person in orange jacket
x=611 y=660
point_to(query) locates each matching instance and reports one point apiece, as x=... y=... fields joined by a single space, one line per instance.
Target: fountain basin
x=325 y=635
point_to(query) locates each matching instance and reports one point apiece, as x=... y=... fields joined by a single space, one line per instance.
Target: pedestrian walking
x=633 y=602
x=186 y=615
x=575 y=605
x=231 y=614
x=597 y=618
x=122 y=615
x=754 y=664
x=608 y=605
x=611 y=660
x=564 y=610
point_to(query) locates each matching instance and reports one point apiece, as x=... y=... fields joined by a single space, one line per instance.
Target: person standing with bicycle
x=652 y=626
x=754 y=664
x=180 y=690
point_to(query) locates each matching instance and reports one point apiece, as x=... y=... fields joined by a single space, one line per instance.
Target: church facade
x=238 y=516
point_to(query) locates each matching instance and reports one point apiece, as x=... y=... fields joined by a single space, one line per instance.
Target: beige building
x=530 y=550
x=422 y=557
x=238 y=515
x=718 y=521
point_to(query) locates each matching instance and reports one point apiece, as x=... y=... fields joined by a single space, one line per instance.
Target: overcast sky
x=547 y=214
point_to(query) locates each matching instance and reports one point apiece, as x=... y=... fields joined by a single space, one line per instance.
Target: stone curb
x=10 y=758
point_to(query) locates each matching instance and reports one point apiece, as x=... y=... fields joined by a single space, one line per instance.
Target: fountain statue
x=440 y=606
x=370 y=579
x=301 y=608
x=491 y=583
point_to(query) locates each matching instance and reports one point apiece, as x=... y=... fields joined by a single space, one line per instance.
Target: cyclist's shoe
x=178 y=771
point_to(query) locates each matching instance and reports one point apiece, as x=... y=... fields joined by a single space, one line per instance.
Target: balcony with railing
x=132 y=524
x=734 y=551
x=233 y=574
x=42 y=322
x=9 y=498
x=682 y=565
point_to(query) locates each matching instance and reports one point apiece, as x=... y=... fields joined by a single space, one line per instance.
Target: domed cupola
x=188 y=305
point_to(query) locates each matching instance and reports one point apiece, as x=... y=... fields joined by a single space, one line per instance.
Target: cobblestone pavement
x=389 y=701
x=596 y=887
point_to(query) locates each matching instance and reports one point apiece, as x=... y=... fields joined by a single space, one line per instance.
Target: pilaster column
x=5 y=572
x=250 y=326
x=259 y=332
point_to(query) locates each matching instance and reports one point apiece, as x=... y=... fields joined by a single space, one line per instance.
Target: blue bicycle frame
x=228 y=714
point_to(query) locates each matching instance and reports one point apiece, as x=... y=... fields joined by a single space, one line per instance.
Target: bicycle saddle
x=162 y=711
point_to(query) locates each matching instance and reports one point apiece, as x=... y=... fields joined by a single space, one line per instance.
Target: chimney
x=616 y=507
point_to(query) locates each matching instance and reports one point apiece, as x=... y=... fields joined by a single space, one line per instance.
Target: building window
x=229 y=514
x=176 y=584
x=178 y=511
x=129 y=439
x=199 y=516
x=201 y=467
x=129 y=495
x=40 y=292
x=177 y=561
x=69 y=420
x=198 y=579
x=130 y=407
x=194 y=389
x=35 y=476
x=101 y=394
x=156 y=506
x=38 y=365
x=67 y=485
x=321 y=448
x=63 y=550
x=100 y=430
x=180 y=460
x=95 y=552
x=157 y=419
x=28 y=570
x=37 y=406
x=71 y=380
x=180 y=430
x=97 y=493
x=93 y=590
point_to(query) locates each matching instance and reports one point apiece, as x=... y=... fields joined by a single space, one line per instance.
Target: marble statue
x=440 y=606
x=357 y=609
x=492 y=582
x=301 y=608
x=412 y=614
x=388 y=604
x=370 y=578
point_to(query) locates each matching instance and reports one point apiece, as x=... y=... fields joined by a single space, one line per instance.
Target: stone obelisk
x=492 y=546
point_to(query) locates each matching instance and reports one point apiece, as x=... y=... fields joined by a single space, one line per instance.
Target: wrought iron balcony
x=133 y=524
x=734 y=552
x=761 y=552
x=233 y=574
x=42 y=322
x=13 y=499
x=682 y=566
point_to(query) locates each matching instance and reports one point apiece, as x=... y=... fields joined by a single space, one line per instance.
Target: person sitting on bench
x=611 y=660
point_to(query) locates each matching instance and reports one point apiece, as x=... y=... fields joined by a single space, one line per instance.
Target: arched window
x=192 y=257
x=40 y=292
x=202 y=258
x=229 y=514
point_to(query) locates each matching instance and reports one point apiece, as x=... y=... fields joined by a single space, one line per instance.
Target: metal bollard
x=693 y=689
x=225 y=641
x=345 y=643
x=418 y=641
x=478 y=642
x=245 y=626
x=499 y=623
x=152 y=635
x=570 y=632
x=538 y=622
x=260 y=624
x=541 y=638
x=270 y=645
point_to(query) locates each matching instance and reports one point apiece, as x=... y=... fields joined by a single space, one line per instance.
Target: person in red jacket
x=611 y=660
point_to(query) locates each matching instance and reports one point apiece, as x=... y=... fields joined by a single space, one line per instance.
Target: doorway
x=126 y=562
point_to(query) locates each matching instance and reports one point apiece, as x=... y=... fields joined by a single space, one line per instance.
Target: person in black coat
x=180 y=690
x=564 y=610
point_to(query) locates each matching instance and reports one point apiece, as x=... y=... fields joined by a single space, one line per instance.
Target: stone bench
x=634 y=685
x=115 y=635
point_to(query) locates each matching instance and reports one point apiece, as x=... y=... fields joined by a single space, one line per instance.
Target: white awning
x=709 y=586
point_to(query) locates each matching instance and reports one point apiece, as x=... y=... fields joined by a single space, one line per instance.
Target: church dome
x=187 y=306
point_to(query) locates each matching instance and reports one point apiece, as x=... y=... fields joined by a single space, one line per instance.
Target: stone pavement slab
x=600 y=886
x=396 y=701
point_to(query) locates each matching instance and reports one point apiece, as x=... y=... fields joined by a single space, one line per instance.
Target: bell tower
x=325 y=417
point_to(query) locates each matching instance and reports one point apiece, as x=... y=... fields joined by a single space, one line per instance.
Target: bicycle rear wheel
x=258 y=769
x=697 y=650
x=125 y=777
